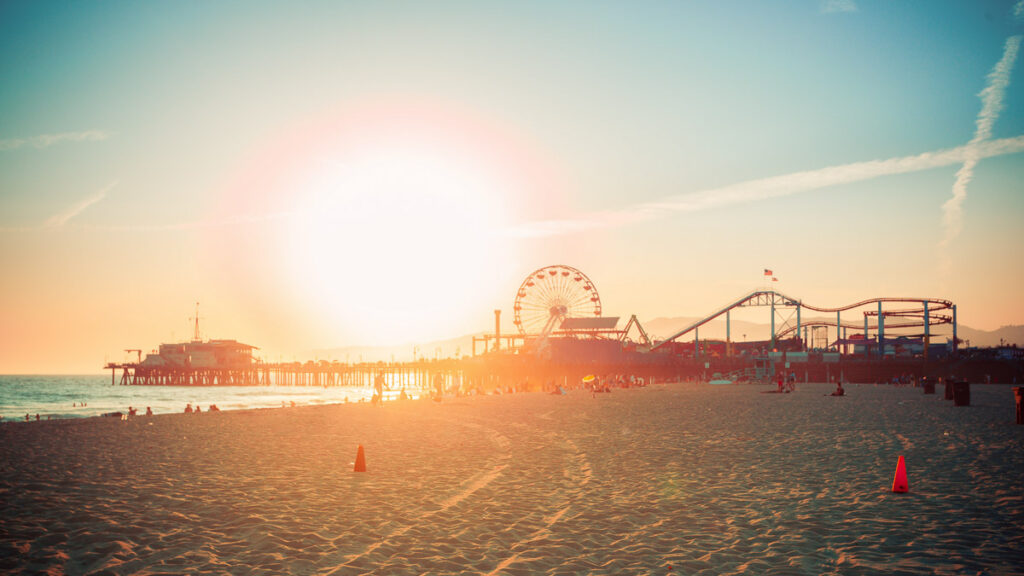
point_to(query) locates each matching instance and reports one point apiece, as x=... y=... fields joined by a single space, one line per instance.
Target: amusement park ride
x=560 y=301
x=920 y=313
x=550 y=296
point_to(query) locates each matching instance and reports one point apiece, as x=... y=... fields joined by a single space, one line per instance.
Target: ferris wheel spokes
x=551 y=294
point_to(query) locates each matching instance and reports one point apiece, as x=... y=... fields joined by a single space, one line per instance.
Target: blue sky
x=133 y=133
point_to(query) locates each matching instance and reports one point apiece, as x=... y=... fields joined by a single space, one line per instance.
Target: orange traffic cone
x=361 y=462
x=899 y=483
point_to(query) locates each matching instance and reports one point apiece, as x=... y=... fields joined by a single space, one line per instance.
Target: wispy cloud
x=991 y=105
x=831 y=6
x=238 y=220
x=773 y=187
x=58 y=220
x=71 y=212
x=47 y=140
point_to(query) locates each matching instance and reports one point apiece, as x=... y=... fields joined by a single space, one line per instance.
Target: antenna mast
x=195 y=335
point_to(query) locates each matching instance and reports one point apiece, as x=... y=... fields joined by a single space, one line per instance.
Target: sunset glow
x=511 y=287
x=344 y=176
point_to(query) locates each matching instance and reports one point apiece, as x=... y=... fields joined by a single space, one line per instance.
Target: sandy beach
x=673 y=478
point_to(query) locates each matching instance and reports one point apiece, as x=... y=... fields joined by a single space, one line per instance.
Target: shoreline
x=391 y=397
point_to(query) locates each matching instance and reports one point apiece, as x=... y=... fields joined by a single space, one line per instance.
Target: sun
x=385 y=222
x=393 y=239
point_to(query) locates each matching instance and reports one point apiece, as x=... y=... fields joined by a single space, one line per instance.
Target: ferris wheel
x=551 y=294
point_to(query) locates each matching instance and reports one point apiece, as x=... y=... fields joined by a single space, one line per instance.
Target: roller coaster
x=922 y=313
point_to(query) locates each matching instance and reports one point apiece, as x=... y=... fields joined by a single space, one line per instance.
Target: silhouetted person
x=149 y=411
x=839 y=389
x=188 y=408
x=378 y=387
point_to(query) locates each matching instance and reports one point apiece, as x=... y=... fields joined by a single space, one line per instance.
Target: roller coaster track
x=778 y=299
x=786 y=332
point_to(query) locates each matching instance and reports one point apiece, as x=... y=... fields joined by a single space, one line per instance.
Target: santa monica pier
x=562 y=335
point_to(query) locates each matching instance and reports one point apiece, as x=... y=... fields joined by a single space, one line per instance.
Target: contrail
x=991 y=106
x=61 y=219
x=830 y=6
x=47 y=140
x=773 y=187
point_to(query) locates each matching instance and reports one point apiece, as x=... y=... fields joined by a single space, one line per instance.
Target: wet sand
x=676 y=478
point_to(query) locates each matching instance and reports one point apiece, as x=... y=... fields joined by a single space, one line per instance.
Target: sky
x=329 y=174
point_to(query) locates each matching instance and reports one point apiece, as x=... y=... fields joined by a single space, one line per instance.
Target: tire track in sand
x=475 y=483
x=579 y=458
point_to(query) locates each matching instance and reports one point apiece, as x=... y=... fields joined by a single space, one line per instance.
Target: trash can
x=928 y=385
x=1018 y=394
x=962 y=393
x=949 y=390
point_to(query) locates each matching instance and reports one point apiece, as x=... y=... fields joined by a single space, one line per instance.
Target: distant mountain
x=658 y=328
x=1005 y=336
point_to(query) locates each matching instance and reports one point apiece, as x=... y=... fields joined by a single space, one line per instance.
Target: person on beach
x=198 y=409
x=839 y=389
x=213 y=408
x=378 y=387
x=438 y=386
x=188 y=408
x=132 y=411
x=149 y=411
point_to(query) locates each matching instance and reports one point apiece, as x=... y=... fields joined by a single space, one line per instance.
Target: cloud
x=991 y=105
x=772 y=187
x=58 y=220
x=47 y=140
x=832 y=6
x=239 y=220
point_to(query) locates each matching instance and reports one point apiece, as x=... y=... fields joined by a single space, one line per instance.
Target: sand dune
x=707 y=480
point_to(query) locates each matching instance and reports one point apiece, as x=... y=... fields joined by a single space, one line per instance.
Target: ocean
x=64 y=396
